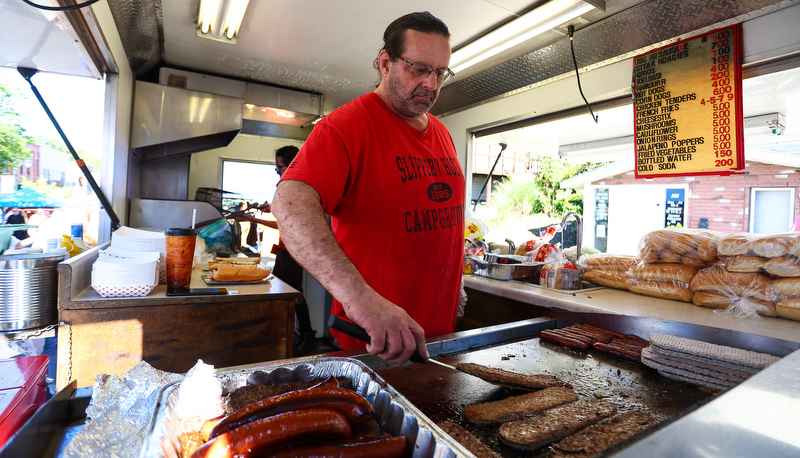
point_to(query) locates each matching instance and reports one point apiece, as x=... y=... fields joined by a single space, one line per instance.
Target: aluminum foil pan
x=505 y=271
x=395 y=413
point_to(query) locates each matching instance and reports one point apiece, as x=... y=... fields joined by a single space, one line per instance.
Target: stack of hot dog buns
x=237 y=270
x=716 y=287
x=668 y=280
x=692 y=247
x=765 y=260
x=745 y=273
x=607 y=269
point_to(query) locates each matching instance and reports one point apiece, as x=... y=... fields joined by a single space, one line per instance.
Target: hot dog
x=574 y=335
x=352 y=405
x=595 y=328
x=276 y=432
x=385 y=446
x=618 y=352
x=550 y=336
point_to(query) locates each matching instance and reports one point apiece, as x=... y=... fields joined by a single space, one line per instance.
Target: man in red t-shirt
x=387 y=174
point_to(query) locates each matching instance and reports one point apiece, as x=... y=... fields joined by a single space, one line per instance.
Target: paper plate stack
x=141 y=241
x=133 y=276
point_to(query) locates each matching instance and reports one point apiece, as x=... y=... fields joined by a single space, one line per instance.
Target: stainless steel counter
x=608 y=300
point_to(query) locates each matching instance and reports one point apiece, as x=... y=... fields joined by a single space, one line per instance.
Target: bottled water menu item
x=688 y=106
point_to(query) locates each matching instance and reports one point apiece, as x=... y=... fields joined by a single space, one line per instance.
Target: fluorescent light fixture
x=220 y=19
x=525 y=27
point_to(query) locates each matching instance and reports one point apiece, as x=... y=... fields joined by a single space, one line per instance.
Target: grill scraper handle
x=357 y=332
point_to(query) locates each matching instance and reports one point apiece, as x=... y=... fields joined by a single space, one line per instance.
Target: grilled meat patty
x=535 y=381
x=516 y=407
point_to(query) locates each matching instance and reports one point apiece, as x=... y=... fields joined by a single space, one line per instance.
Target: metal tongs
x=357 y=332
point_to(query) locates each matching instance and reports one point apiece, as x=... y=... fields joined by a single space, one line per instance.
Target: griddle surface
x=442 y=394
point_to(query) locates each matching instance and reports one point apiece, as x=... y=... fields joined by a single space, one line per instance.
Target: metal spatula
x=357 y=332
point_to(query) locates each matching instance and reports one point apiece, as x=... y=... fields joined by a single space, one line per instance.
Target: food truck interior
x=190 y=106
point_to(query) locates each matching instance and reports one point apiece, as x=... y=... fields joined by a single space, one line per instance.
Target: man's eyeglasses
x=278 y=168
x=420 y=69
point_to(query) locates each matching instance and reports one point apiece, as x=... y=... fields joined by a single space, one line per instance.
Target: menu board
x=688 y=107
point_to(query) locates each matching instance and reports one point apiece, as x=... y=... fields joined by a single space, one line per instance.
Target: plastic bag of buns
x=775 y=254
x=609 y=270
x=765 y=246
x=741 y=294
x=691 y=247
x=787 y=294
x=667 y=280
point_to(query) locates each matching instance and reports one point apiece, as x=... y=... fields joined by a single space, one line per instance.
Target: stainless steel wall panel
x=630 y=32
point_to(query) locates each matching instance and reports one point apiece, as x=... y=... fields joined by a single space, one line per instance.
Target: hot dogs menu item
x=688 y=106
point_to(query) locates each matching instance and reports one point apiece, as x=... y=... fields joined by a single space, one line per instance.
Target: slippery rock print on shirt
x=413 y=168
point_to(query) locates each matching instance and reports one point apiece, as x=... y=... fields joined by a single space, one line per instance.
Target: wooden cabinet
x=111 y=335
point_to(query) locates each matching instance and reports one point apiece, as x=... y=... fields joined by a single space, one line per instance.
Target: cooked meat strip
x=248 y=394
x=602 y=436
x=470 y=442
x=491 y=374
x=553 y=424
x=516 y=407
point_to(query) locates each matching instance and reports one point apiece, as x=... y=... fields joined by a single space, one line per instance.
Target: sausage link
x=595 y=328
x=352 y=405
x=600 y=335
x=384 y=447
x=592 y=336
x=635 y=338
x=560 y=339
x=576 y=335
x=628 y=344
x=273 y=433
x=208 y=426
x=618 y=352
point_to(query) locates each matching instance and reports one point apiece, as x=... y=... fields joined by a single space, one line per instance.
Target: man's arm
x=305 y=231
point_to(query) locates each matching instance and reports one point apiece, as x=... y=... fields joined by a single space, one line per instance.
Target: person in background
x=388 y=175
x=286 y=268
x=22 y=236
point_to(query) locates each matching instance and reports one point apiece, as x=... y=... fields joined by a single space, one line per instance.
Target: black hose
x=60 y=8
x=571 y=30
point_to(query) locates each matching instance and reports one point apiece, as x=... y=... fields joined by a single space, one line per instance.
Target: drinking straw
x=194 y=216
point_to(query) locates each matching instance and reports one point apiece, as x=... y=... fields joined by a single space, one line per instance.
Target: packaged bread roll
x=767 y=246
x=663 y=272
x=776 y=245
x=606 y=261
x=742 y=306
x=668 y=256
x=786 y=288
x=783 y=266
x=609 y=278
x=671 y=290
x=693 y=247
x=736 y=244
x=735 y=284
x=745 y=264
x=789 y=309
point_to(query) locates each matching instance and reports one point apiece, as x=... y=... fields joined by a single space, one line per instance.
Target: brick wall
x=724 y=200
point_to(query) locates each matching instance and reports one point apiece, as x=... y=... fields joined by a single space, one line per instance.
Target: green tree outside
x=12 y=136
x=531 y=193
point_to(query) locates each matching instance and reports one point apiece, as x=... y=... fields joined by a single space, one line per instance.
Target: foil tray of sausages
x=396 y=414
x=506 y=271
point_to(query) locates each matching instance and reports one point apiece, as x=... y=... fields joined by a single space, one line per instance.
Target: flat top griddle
x=442 y=394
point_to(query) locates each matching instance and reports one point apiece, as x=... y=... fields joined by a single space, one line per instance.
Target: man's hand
x=393 y=333
x=307 y=235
